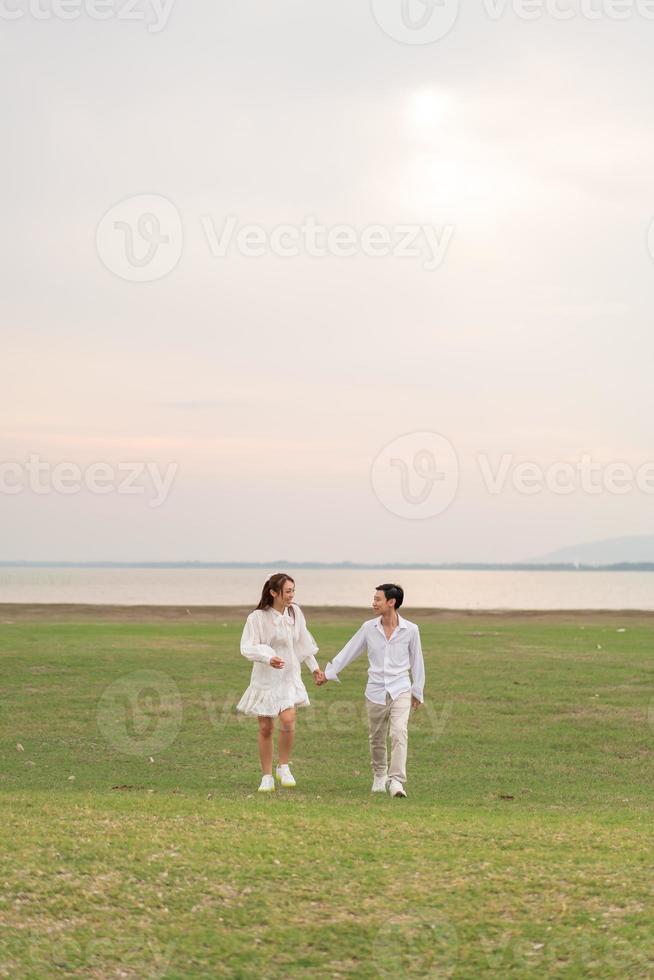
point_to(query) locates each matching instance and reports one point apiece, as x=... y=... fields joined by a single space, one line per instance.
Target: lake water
x=331 y=587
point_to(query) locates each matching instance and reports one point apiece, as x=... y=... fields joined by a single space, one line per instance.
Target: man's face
x=381 y=604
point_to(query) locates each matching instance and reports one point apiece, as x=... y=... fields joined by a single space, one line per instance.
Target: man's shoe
x=395 y=788
x=285 y=777
x=379 y=784
x=267 y=785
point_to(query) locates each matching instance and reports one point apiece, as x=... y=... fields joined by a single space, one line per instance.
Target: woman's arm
x=417 y=665
x=251 y=646
x=305 y=645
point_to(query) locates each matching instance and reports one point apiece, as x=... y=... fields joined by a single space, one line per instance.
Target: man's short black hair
x=392 y=592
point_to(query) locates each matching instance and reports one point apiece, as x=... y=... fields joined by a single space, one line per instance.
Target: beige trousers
x=380 y=716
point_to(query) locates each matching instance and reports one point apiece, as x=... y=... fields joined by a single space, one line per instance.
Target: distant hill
x=610 y=551
x=547 y=564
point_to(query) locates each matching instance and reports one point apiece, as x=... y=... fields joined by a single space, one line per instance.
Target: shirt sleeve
x=305 y=646
x=417 y=665
x=251 y=646
x=352 y=649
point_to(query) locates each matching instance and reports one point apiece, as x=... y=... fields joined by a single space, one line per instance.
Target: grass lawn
x=133 y=842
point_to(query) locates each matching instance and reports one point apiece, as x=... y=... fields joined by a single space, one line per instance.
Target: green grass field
x=133 y=842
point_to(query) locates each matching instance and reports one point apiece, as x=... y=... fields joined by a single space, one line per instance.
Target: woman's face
x=287 y=593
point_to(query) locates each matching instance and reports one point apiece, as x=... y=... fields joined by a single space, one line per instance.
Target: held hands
x=318 y=675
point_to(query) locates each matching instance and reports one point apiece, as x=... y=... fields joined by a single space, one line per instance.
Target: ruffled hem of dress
x=269 y=703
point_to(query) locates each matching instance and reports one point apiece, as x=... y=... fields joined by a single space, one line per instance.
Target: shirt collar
x=401 y=624
x=277 y=615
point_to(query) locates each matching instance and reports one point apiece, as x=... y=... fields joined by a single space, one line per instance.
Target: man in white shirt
x=393 y=646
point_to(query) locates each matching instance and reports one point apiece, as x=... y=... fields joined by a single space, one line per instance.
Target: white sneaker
x=267 y=785
x=395 y=788
x=285 y=776
x=379 y=784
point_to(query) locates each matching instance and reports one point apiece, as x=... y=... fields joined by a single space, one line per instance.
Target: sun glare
x=428 y=110
x=452 y=167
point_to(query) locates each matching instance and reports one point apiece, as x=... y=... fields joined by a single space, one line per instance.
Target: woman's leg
x=286 y=735
x=266 y=726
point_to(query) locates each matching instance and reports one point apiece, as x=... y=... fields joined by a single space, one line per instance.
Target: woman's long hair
x=276 y=582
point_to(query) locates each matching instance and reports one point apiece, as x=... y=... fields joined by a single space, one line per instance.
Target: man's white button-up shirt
x=390 y=660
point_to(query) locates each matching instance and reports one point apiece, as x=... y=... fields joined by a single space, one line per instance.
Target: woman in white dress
x=277 y=640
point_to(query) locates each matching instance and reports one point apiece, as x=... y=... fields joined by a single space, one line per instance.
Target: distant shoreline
x=336 y=566
x=33 y=612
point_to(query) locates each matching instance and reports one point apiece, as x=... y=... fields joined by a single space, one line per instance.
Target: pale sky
x=273 y=383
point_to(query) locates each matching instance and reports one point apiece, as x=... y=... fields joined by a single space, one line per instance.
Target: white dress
x=267 y=634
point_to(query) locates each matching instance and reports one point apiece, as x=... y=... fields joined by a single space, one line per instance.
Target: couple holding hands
x=277 y=640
